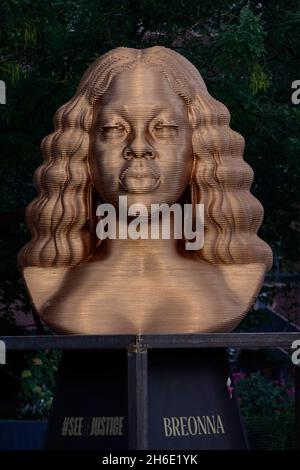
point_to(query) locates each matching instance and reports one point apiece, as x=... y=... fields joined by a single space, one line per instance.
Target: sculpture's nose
x=129 y=153
x=139 y=147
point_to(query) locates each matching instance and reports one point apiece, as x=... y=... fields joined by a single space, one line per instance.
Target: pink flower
x=238 y=376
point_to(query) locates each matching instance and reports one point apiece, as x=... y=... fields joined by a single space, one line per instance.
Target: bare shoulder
x=43 y=282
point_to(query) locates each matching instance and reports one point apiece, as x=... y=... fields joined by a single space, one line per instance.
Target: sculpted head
x=141 y=140
x=142 y=124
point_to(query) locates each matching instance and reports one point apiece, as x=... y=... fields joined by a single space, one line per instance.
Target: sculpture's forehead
x=140 y=86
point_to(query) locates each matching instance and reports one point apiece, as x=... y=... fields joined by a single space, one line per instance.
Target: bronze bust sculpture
x=142 y=124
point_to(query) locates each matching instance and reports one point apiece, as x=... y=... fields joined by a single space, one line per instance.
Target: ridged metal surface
x=142 y=124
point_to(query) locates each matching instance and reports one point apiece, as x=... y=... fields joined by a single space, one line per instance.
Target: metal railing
x=137 y=359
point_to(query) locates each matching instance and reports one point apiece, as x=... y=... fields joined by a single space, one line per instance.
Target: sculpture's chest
x=186 y=297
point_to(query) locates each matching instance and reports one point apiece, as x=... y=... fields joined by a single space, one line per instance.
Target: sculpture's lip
x=139 y=172
x=139 y=184
x=141 y=180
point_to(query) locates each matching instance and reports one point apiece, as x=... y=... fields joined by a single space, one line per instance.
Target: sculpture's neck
x=121 y=247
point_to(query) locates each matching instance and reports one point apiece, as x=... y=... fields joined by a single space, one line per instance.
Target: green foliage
x=271 y=432
x=260 y=396
x=37 y=385
x=268 y=411
x=259 y=80
x=242 y=43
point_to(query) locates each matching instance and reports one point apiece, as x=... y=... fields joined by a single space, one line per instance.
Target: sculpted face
x=141 y=143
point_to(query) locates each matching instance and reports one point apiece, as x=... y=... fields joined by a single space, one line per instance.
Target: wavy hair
x=61 y=215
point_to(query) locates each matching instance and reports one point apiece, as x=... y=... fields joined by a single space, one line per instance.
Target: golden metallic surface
x=142 y=124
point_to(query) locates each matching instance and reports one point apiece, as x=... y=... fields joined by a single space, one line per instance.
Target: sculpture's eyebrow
x=130 y=110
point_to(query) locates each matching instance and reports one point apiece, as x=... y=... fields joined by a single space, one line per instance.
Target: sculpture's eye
x=163 y=130
x=113 y=131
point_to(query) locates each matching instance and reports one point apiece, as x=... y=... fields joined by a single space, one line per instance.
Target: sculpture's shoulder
x=43 y=282
x=99 y=297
